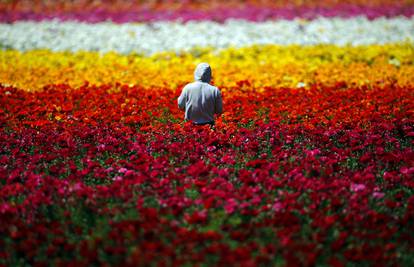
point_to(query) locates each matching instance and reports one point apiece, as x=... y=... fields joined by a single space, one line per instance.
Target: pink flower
x=117 y=178
x=277 y=206
x=75 y=187
x=312 y=153
x=211 y=148
x=129 y=173
x=407 y=171
x=122 y=170
x=230 y=206
x=378 y=195
x=357 y=187
x=4 y=207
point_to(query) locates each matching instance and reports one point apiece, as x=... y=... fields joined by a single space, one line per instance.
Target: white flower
x=300 y=85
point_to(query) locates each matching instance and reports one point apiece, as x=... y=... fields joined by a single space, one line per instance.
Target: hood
x=202 y=73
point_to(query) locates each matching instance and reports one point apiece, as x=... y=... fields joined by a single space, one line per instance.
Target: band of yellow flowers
x=258 y=66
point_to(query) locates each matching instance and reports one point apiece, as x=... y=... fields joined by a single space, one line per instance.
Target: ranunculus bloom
x=358 y=187
x=378 y=195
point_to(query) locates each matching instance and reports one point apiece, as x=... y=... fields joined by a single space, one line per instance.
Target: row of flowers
x=173 y=36
x=255 y=67
x=99 y=175
x=129 y=11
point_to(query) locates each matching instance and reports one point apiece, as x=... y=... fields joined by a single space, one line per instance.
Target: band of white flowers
x=155 y=37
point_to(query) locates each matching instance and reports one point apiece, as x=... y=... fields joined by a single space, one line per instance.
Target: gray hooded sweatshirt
x=199 y=99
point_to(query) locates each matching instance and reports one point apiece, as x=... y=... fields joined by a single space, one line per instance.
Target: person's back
x=199 y=99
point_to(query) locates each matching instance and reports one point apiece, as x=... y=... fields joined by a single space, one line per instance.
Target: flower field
x=311 y=163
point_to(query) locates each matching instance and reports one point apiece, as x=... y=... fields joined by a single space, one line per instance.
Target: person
x=200 y=100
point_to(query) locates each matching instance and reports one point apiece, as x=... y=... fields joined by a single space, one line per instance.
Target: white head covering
x=202 y=73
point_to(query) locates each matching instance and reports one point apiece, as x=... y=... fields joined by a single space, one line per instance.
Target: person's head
x=202 y=73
